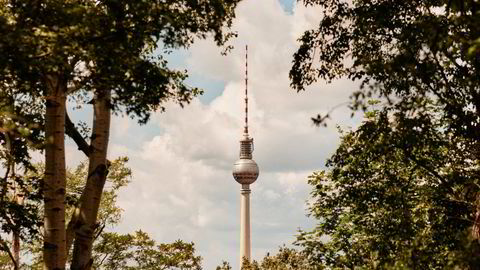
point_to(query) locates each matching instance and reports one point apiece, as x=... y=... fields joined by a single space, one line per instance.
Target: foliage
x=119 y=176
x=139 y=251
x=284 y=259
x=94 y=45
x=107 y=53
x=113 y=250
x=20 y=128
x=225 y=266
x=109 y=215
x=20 y=135
x=398 y=193
x=400 y=50
x=22 y=218
x=402 y=190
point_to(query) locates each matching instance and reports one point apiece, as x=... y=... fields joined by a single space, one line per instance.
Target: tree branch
x=426 y=168
x=99 y=232
x=104 y=258
x=71 y=230
x=7 y=249
x=319 y=119
x=73 y=133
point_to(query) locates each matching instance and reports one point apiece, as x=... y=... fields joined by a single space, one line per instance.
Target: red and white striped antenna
x=246 y=90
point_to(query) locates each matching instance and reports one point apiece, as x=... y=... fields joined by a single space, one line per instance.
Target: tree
x=400 y=50
x=111 y=250
x=99 y=52
x=139 y=251
x=405 y=52
x=109 y=214
x=398 y=193
x=19 y=135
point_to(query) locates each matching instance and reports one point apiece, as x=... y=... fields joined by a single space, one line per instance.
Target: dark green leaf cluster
x=21 y=218
x=20 y=191
x=21 y=124
x=106 y=45
x=400 y=192
x=405 y=49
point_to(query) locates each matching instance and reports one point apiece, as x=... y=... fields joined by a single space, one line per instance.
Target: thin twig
x=99 y=232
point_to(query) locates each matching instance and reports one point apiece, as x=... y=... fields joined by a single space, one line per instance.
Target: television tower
x=245 y=172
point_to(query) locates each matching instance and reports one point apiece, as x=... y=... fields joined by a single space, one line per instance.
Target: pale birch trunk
x=54 y=249
x=97 y=172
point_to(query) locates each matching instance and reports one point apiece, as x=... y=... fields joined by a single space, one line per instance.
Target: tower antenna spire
x=245 y=130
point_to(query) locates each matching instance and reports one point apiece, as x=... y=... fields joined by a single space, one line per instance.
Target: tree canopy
x=400 y=50
x=397 y=193
x=109 y=54
x=401 y=191
x=106 y=45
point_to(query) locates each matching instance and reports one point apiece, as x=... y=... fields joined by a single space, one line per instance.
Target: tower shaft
x=245 y=245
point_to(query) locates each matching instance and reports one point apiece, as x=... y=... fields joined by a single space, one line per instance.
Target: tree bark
x=70 y=233
x=16 y=249
x=15 y=253
x=97 y=172
x=83 y=146
x=54 y=250
x=18 y=198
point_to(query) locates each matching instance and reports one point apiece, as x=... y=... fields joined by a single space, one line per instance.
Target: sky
x=182 y=185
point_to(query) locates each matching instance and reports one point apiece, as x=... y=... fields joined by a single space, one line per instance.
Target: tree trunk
x=70 y=233
x=97 y=173
x=54 y=251
x=18 y=198
x=15 y=253
x=16 y=249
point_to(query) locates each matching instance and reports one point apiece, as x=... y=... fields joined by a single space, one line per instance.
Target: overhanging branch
x=73 y=133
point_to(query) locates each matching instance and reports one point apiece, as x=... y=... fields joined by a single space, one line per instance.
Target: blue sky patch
x=287 y=5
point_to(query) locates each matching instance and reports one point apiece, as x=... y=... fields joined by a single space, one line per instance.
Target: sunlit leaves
x=138 y=251
x=398 y=193
x=285 y=259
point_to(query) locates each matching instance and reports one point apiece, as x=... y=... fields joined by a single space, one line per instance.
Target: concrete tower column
x=245 y=250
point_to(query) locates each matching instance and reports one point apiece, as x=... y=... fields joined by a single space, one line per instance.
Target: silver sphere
x=245 y=171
